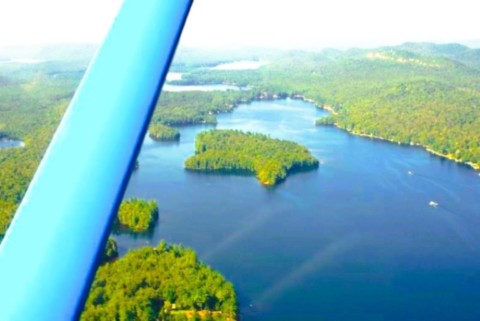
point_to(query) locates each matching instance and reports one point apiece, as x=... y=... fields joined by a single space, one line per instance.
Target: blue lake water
x=354 y=240
x=9 y=143
x=240 y=65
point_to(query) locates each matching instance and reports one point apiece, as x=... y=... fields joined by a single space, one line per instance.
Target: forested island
x=166 y=282
x=233 y=151
x=111 y=251
x=138 y=215
x=160 y=132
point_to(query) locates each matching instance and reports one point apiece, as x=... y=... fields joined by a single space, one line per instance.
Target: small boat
x=410 y=173
x=433 y=204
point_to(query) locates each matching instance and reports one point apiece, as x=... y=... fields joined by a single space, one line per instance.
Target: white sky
x=303 y=24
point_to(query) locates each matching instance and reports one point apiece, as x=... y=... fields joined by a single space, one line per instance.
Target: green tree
x=137 y=214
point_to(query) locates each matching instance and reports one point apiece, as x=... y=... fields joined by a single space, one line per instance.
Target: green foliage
x=111 y=251
x=138 y=215
x=7 y=209
x=414 y=94
x=234 y=151
x=441 y=117
x=326 y=121
x=158 y=131
x=188 y=108
x=161 y=283
x=32 y=101
x=453 y=51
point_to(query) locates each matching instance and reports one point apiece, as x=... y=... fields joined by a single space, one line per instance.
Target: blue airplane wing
x=50 y=253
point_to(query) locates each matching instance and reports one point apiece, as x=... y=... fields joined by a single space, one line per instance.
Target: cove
x=354 y=240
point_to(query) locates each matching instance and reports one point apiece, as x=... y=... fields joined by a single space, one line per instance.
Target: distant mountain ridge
x=453 y=51
x=68 y=52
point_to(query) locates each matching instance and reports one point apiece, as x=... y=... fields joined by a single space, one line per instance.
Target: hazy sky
x=306 y=24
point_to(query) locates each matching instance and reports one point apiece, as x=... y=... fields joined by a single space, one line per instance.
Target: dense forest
x=138 y=215
x=161 y=283
x=421 y=94
x=233 y=151
x=32 y=101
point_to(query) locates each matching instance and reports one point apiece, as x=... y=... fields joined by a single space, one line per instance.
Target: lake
x=9 y=143
x=218 y=87
x=354 y=240
x=174 y=76
x=240 y=65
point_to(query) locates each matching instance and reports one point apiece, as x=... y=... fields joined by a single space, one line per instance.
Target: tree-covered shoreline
x=197 y=107
x=330 y=121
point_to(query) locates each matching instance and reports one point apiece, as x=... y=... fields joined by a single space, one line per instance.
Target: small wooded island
x=231 y=151
x=160 y=283
x=111 y=251
x=162 y=132
x=137 y=215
